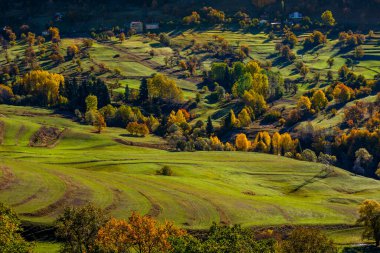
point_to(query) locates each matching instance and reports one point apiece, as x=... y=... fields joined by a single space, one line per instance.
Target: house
x=152 y=26
x=295 y=15
x=275 y=25
x=137 y=26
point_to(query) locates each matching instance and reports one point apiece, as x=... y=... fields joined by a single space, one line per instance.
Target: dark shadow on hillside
x=361 y=249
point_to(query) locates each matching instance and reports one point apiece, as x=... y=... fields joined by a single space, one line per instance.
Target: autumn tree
x=288 y=144
x=6 y=94
x=99 y=123
x=140 y=234
x=178 y=117
x=43 y=86
x=276 y=143
x=11 y=240
x=319 y=100
x=304 y=105
x=78 y=228
x=307 y=240
x=363 y=161
x=242 y=143
x=244 y=118
x=304 y=70
x=342 y=93
x=72 y=51
x=328 y=18
x=122 y=37
x=369 y=217
x=262 y=142
x=136 y=128
x=162 y=87
x=255 y=101
x=194 y=18
x=31 y=39
x=54 y=32
x=91 y=103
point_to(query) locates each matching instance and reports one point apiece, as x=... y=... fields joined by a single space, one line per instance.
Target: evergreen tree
x=209 y=128
x=127 y=94
x=143 y=91
x=230 y=120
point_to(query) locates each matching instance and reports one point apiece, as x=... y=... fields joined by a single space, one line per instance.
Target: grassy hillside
x=227 y=187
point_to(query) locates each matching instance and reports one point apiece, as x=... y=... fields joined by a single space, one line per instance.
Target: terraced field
x=227 y=187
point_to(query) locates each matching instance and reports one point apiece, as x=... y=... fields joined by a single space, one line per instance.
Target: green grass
x=44 y=247
x=206 y=186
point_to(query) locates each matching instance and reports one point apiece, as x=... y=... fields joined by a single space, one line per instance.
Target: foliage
x=328 y=18
x=309 y=155
x=255 y=101
x=244 y=118
x=230 y=121
x=307 y=240
x=369 y=217
x=78 y=227
x=162 y=87
x=140 y=233
x=42 y=85
x=315 y=39
x=319 y=100
x=165 y=171
x=242 y=143
x=11 y=240
x=342 y=93
x=137 y=128
x=194 y=18
x=6 y=94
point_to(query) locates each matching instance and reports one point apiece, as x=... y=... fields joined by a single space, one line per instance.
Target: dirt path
x=74 y=195
x=7 y=179
x=144 y=145
x=155 y=208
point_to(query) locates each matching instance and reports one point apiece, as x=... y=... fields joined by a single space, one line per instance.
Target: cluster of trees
x=90 y=229
x=359 y=150
x=315 y=39
x=351 y=39
x=243 y=79
x=160 y=87
x=40 y=87
x=10 y=232
x=207 y=15
x=278 y=144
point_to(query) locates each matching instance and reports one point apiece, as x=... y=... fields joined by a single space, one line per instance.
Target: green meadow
x=228 y=187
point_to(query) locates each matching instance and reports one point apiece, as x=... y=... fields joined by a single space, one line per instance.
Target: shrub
x=307 y=240
x=272 y=116
x=165 y=171
x=309 y=155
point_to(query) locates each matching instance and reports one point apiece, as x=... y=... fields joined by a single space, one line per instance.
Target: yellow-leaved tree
x=162 y=87
x=140 y=234
x=369 y=216
x=242 y=143
x=43 y=86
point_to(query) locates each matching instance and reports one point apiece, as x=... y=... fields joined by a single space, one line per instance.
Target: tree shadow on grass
x=131 y=135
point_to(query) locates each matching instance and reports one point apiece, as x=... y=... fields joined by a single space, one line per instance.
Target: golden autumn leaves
x=138 y=233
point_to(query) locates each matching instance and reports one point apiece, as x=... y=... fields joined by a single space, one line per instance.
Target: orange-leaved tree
x=140 y=233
